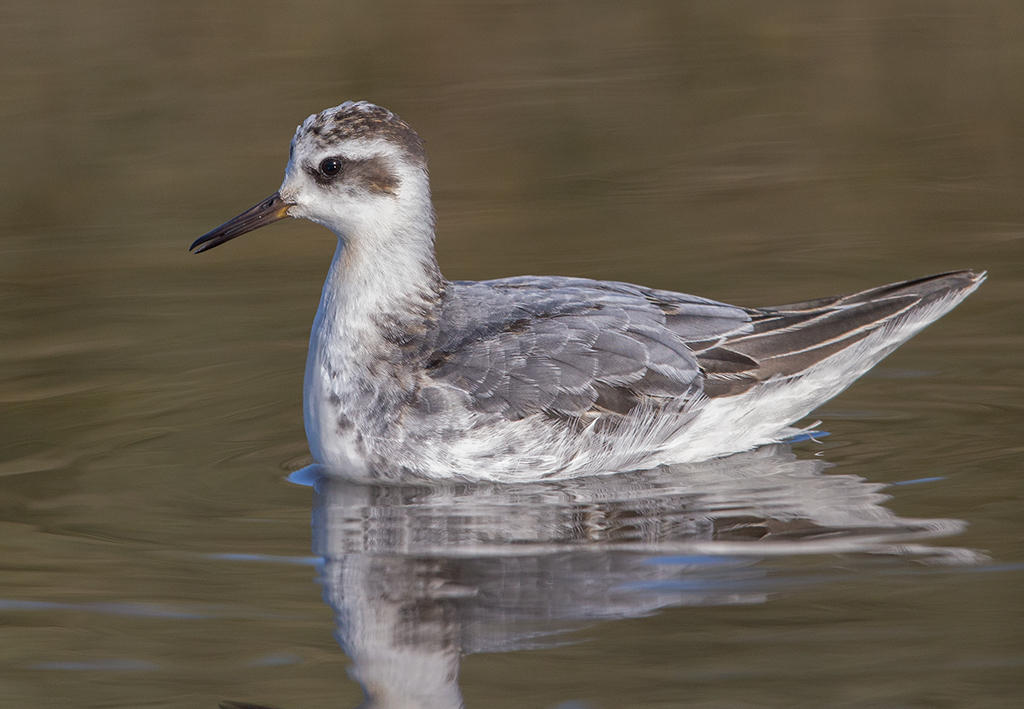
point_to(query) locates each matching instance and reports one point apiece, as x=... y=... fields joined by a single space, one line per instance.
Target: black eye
x=329 y=167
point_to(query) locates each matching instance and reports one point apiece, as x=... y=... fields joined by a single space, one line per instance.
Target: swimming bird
x=410 y=375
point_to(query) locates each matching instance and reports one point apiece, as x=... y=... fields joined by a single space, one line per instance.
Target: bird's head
x=357 y=169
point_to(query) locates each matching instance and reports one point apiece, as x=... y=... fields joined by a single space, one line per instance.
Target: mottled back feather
x=576 y=348
x=572 y=347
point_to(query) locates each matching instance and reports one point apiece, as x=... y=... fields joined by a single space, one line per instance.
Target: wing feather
x=784 y=341
x=571 y=347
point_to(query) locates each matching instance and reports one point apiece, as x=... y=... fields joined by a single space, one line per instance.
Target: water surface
x=157 y=545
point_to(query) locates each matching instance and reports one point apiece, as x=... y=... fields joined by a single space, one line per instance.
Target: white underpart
x=707 y=428
x=764 y=413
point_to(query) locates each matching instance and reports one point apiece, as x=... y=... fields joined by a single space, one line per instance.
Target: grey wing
x=573 y=347
x=784 y=341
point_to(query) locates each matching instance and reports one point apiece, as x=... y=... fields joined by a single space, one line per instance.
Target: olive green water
x=156 y=549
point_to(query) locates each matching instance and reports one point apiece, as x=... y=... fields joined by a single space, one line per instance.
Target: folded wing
x=786 y=340
x=584 y=349
x=573 y=347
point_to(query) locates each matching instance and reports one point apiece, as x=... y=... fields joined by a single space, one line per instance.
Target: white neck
x=373 y=307
x=379 y=307
x=377 y=281
x=384 y=267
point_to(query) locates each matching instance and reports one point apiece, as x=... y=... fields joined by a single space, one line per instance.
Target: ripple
x=420 y=575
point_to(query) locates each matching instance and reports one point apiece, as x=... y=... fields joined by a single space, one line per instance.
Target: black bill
x=270 y=210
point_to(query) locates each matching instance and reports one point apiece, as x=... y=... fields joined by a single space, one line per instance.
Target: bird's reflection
x=418 y=576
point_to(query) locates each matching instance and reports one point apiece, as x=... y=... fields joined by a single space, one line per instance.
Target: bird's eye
x=329 y=167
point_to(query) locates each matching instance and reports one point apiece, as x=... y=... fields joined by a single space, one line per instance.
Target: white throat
x=382 y=292
x=376 y=276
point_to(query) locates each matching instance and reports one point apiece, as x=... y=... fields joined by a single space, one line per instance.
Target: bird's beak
x=270 y=210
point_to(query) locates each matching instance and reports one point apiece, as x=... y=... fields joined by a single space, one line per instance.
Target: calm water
x=162 y=543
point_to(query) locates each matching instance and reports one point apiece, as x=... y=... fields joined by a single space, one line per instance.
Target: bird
x=410 y=376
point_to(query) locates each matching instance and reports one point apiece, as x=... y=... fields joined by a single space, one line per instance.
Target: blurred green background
x=150 y=401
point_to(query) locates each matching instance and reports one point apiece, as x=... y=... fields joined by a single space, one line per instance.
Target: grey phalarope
x=411 y=375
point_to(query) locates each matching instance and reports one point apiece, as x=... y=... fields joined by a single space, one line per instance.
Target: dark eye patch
x=372 y=174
